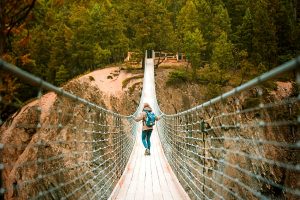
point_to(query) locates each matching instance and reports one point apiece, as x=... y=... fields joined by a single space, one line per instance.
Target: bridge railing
x=61 y=146
x=244 y=144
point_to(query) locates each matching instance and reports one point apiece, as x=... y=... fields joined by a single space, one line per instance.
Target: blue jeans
x=146 y=134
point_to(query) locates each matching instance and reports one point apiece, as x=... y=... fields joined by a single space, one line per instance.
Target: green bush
x=270 y=85
x=213 y=74
x=177 y=77
x=126 y=81
x=251 y=102
x=213 y=90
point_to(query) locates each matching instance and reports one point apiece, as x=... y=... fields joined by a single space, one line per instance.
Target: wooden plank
x=166 y=194
x=124 y=183
x=157 y=194
x=175 y=187
x=140 y=184
x=135 y=178
x=148 y=177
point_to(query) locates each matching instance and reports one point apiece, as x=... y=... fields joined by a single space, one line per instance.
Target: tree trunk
x=143 y=62
x=159 y=61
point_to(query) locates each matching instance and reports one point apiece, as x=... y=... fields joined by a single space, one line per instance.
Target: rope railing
x=62 y=146
x=244 y=144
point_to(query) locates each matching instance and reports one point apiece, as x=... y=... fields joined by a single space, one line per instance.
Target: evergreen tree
x=187 y=23
x=245 y=32
x=108 y=29
x=205 y=14
x=264 y=31
x=194 y=46
x=149 y=27
x=62 y=75
x=58 y=52
x=220 y=21
x=288 y=30
x=236 y=10
x=174 y=7
x=222 y=53
x=188 y=18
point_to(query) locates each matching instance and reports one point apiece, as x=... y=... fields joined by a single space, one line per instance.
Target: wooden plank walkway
x=148 y=177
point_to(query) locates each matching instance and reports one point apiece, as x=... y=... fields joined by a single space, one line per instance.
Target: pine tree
x=188 y=18
x=245 y=32
x=205 y=14
x=222 y=53
x=194 y=46
x=61 y=76
x=187 y=22
x=264 y=31
x=236 y=10
x=107 y=28
x=149 y=27
x=288 y=30
x=220 y=21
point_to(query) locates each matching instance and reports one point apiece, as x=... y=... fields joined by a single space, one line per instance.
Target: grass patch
x=126 y=81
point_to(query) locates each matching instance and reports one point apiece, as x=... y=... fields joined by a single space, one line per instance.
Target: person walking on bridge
x=149 y=119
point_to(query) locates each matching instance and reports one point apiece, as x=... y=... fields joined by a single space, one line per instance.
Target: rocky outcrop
x=44 y=142
x=248 y=148
x=40 y=141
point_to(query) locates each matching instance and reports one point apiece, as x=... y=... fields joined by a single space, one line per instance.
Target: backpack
x=150 y=118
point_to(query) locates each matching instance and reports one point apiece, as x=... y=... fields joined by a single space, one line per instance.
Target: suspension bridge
x=240 y=145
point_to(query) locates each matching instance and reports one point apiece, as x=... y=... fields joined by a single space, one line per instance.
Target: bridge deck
x=148 y=177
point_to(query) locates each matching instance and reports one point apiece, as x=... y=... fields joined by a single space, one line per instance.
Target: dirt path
x=108 y=80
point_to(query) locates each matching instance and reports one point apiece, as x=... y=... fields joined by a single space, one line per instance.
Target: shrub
x=251 y=102
x=91 y=78
x=177 y=77
x=213 y=90
x=126 y=81
x=213 y=74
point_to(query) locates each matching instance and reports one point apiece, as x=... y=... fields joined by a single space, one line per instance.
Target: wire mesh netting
x=60 y=146
x=244 y=144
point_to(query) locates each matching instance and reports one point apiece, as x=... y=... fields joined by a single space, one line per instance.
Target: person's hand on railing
x=159 y=117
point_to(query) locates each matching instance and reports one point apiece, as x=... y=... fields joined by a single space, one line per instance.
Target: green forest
x=58 y=40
